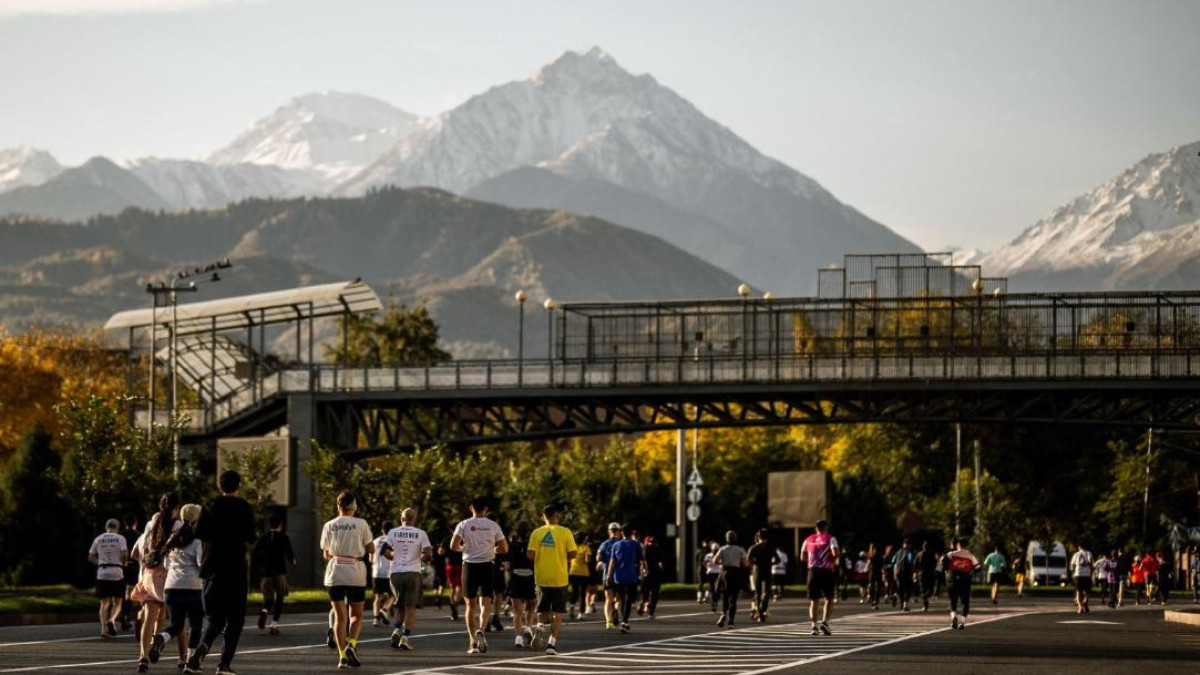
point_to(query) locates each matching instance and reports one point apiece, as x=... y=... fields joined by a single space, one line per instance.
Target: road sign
x=695 y=480
x=695 y=495
x=693 y=513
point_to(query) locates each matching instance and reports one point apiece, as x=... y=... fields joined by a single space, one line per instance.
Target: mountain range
x=581 y=142
x=464 y=258
x=618 y=146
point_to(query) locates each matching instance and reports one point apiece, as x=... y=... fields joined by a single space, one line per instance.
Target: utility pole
x=957 y=480
x=1146 y=492
x=979 y=534
x=680 y=518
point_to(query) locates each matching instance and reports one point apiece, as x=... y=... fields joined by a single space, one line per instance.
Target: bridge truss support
x=369 y=427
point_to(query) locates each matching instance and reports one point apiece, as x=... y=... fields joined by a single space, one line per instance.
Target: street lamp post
x=744 y=291
x=549 y=304
x=172 y=291
x=521 y=297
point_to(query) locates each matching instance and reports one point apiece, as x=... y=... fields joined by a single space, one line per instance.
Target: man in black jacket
x=225 y=527
x=273 y=557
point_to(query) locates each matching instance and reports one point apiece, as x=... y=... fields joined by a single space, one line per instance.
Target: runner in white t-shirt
x=109 y=553
x=1082 y=564
x=408 y=546
x=779 y=574
x=345 y=540
x=381 y=578
x=479 y=540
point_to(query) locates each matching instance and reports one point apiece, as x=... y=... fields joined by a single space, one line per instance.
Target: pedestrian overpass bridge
x=898 y=339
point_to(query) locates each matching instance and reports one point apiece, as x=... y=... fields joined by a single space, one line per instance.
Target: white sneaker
x=473 y=649
x=538 y=638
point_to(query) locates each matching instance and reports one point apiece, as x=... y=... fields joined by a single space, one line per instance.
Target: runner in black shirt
x=225 y=527
x=655 y=572
x=762 y=559
x=273 y=557
x=927 y=562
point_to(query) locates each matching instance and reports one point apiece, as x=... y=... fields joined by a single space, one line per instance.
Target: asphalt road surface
x=1044 y=636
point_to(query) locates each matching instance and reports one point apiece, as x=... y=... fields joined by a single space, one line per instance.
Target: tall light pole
x=957 y=479
x=549 y=304
x=172 y=291
x=521 y=297
x=744 y=291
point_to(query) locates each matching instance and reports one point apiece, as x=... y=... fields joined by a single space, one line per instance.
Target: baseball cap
x=112 y=523
x=614 y=526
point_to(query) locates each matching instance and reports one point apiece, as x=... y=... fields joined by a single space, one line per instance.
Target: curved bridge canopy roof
x=260 y=309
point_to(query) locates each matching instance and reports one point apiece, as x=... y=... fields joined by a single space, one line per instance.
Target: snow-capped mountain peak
x=25 y=165
x=1111 y=228
x=334 y=133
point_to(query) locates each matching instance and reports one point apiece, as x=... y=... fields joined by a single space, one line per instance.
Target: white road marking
x=757 y=649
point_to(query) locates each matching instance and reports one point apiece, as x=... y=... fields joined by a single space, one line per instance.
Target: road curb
x=1189 y=617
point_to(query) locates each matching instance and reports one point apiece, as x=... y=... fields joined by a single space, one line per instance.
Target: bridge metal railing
x=792 y=369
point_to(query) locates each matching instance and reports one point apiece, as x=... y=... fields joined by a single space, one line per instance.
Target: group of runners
x=188 y=572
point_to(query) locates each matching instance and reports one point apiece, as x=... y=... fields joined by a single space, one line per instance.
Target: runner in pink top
x=820 y=552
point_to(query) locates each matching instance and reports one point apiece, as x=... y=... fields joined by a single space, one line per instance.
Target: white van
x=1047 y=568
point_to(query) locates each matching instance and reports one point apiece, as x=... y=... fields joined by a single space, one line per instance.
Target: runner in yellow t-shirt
x=551 y=548
x=580 y=576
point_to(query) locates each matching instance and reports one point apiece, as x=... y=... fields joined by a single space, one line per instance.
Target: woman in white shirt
x=182 y=587
x=345 y=540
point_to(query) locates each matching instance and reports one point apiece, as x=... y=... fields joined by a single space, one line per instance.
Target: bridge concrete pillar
x=303 y=514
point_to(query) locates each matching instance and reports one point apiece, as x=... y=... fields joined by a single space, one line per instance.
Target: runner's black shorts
x=552 y=599
x=383 y=586
x=1083 y=583
x=478 y=579
x=821 y=583
x=350 y=594
x=106 y=588
x=521 y=587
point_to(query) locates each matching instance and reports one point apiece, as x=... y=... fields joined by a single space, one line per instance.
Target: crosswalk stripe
x=746 y=651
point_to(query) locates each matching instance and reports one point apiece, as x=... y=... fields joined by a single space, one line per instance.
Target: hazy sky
x=953 y=122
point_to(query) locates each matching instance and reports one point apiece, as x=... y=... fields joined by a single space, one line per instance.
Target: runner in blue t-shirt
x=624 y=563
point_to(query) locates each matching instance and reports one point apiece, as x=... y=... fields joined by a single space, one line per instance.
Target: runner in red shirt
x=960 y=564
x=820 y=552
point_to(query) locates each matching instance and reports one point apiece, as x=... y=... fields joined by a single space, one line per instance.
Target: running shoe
x=825 y=628
x=624 y=626
x=962 y=624
x=352 y=657
x=721 y=622
x=274 y=629
x=180 y=666
x=405 y=645
x=496 y=624
x=527 y=637
x=537 y=637
x=156 y=644
x=481 y=641
x=519 y=642
x=112 y=629
x=397 y=636
x=453 y=613
x=194 y=663
x=262 y=619
x=329 y=639
x=551 y=650
x=815 y=630
x=610 y=626
x=343 y=664
x=143 y=666
x=473 y=649
x=225 y=669
x=953 y=621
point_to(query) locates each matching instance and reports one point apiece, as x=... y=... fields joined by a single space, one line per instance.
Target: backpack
x=902 y=562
